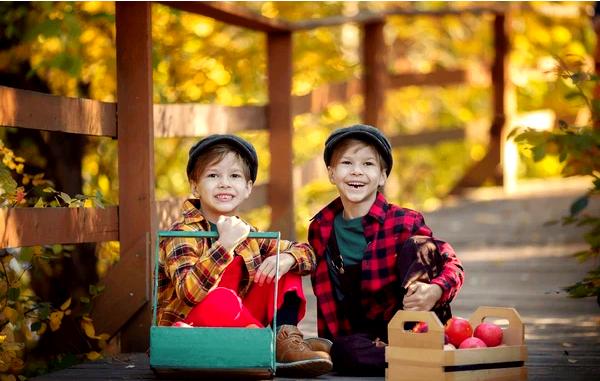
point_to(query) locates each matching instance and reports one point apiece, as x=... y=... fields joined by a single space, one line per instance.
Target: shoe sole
x=304 y=369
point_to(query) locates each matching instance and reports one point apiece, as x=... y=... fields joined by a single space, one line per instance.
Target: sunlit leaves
x=578 y=147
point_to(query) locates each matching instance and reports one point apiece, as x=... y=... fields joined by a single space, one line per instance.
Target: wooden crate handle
x=514 y=334
x=398 y=336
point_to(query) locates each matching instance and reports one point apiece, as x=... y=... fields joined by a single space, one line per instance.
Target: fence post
x=503 y=106
x=124 y=304
x=501 y=102
x=279 y=122
x=375 y=74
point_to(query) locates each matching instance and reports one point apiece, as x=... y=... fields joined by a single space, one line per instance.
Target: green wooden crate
x=228 y=351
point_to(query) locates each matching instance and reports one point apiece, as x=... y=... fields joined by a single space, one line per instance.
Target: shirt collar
x=193 y=215
x=377 y=211
x=191 y=212
x=379 y=208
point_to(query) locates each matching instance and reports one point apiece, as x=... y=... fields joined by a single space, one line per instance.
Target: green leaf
x=6 y=181
x=539 y=152
x=44 y=311
x=56 y=249
x=13 y=294
x=513 y=133
x=26 y=254
x=580 y=290
x=579 y=204
x=65 y=197
x=562 y=156
x=39 y=203
x=98 y=203
x=47 y=28
x=582 y=256
x=36 y=326
x=84 y=299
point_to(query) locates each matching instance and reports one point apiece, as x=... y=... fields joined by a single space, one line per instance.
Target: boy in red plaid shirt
x=228 y=282
x=373 y=257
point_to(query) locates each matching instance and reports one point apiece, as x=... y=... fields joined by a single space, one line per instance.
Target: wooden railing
x=138 y=122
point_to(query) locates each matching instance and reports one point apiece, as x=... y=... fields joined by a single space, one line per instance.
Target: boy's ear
x=382 y=179
x=330 y=174
x=249 y=185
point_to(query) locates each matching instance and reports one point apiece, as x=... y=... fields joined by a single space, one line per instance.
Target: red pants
x=223 y=307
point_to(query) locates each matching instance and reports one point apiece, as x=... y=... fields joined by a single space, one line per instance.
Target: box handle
x=514 y=334
x=398 y=336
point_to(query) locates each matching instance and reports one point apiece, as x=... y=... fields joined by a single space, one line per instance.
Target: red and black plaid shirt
x=386 y=228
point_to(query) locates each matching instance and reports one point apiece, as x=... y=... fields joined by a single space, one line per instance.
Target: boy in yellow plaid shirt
x=229 y=282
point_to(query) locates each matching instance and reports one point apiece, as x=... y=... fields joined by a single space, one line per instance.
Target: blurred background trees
x=68 y=48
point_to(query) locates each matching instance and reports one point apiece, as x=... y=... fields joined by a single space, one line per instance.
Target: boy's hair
x=215 y=154
x=232 y=143
x=369 y=134
x=345 y=143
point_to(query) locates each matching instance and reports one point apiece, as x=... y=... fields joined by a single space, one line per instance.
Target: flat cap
x=243 y=147
x=365 y=133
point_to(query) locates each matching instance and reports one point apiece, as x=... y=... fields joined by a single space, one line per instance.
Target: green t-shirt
x=350 y=239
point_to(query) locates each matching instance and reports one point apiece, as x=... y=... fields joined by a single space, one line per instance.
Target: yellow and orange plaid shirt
x=191 y=267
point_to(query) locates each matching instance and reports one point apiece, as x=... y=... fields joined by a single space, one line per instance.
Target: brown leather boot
x=295 y=358
x=319 y=344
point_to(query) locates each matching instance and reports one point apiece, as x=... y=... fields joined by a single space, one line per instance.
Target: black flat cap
x=365 y=133
x=243 y=147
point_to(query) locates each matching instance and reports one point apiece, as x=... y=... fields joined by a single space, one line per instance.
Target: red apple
x=490 y=333
x=458 y=329
x=446 y=340
x=472 y=342
x=420 y=327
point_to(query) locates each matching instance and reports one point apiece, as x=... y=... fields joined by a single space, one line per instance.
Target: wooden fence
x=135 y=122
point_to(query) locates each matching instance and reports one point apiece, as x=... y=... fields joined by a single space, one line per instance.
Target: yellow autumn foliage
x=56 y=320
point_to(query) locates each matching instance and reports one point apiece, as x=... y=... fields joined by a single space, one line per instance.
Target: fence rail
x=45 y=226
x=34 y=110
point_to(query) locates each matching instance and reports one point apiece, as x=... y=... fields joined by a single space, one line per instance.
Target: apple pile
x=458 y=333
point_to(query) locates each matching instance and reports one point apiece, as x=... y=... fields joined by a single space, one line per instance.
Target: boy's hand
x=421 y=296
x=232 y=231
x=266 y=270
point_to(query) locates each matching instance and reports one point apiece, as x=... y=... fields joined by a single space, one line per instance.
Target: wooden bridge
x=135 y=122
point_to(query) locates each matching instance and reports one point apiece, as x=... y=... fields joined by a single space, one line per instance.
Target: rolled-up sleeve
x=451 y=276
x=302 y=253
x=194 y=267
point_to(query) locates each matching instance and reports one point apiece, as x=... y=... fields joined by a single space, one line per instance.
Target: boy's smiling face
x=357 y=173
x=222 y=187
